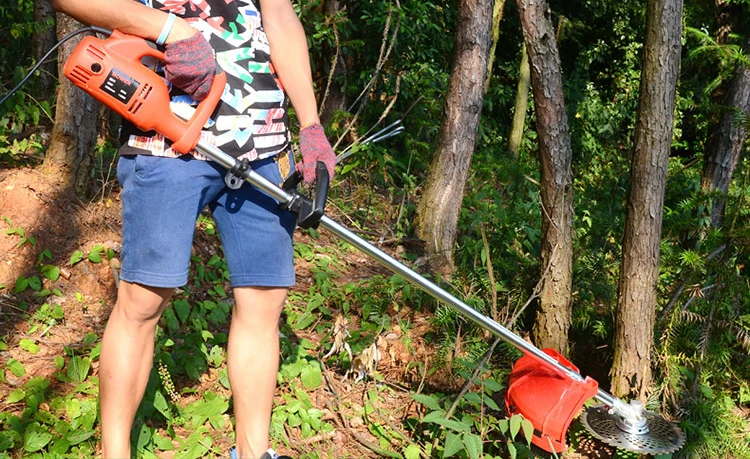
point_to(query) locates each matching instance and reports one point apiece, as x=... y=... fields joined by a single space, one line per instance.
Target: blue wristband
x=166 y=29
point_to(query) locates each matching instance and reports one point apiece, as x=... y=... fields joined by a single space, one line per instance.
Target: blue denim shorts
x=161 y=201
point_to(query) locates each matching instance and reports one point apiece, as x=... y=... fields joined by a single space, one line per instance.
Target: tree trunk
x=334 y=98
x=440 y=205
x=41 y=42
x=521 y=105
x=497 y=18
x=639 y=273
x=727 y=141
x=71 y=150
x=555 y=153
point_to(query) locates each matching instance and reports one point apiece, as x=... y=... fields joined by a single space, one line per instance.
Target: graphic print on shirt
x=251 y=119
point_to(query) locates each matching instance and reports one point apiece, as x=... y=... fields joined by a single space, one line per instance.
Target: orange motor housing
x=112 y=72
x=547 y=397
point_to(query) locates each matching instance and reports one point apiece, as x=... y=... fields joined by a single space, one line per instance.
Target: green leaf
x=216 y=421
x=196 y=445
x=22 y=283
x=60 y=446
x=35 y=438
x=29 y=345
x=502 y=424
x=412 y=452
x=80 y=435
x=16 y=395
x=528 y=430
x=453 y=444
x=95 y=254
x=304 y=320
x=428 y=401
x=473 y=445
x=312 y=376
x=182 y=309
x=492 y=385
x=515 y=425
x=34 y=283
x=73 y=408
x=161 y=405
x=6 y=441
x=145 y=433
x=51 y=272
x=15 y=367
x=76 y=257
x=512 y=450
x=78 y=368
x=490 y=402
x=438 y=417
x=164 y=444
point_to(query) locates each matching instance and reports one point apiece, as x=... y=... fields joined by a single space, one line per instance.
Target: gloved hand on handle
x=190 y=65
x=315 y=147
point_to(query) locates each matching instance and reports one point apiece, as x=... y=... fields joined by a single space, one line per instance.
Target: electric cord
x=92 y=29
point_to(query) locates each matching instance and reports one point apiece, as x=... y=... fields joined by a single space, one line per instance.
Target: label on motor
x=120 y=86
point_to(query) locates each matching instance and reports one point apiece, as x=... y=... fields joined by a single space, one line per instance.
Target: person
x=262 y=48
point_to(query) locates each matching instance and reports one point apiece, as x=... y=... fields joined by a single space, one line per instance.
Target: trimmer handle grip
x=112 y=72
x=308 y=211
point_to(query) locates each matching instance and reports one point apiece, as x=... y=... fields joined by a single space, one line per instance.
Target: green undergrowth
x=187 y=407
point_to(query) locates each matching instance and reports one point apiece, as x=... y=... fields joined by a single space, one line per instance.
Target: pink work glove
x=190 y=65
x=315 y=147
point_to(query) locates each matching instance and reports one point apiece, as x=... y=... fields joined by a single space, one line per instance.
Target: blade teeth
x=599 y=426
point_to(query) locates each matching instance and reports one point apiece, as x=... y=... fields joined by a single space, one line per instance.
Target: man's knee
x=140 y=303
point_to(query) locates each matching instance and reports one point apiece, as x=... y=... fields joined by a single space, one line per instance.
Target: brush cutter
x=544 y=387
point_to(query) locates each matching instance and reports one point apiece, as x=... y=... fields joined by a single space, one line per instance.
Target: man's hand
x=314 y=147
x=190 y=65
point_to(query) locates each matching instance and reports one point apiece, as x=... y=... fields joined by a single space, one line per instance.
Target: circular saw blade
x=662 y=437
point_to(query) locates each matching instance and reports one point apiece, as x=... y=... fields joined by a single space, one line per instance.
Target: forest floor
x=44 y=223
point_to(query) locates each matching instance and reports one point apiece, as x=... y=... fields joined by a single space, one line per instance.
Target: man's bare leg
x=125 y=362
x=253 y=363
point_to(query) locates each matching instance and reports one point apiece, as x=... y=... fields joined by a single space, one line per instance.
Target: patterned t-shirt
x=251 y=118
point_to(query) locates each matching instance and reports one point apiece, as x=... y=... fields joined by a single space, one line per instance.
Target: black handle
x=308 y=211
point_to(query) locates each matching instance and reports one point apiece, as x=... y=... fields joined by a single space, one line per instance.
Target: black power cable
x=92 y=29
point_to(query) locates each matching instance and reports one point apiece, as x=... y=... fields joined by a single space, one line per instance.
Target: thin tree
x=555 y=154
x=440 y=204
x=636 y=303
x=72 y=145
x=521 y=105
x=497 y=18
x=728 y=138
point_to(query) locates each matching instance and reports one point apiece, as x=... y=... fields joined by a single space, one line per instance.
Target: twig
x=385 y=51
x=318 y=438
x=334 y=62
x=339 y=418
x=473 y=378
x=490 y=271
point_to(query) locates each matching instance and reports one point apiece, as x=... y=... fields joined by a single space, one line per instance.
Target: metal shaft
x=389 y=262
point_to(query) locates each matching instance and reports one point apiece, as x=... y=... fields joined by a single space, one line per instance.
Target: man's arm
x=290 y=57
x=127 y=16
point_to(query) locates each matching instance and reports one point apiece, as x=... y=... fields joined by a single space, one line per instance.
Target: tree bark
x=71 y=150
x=521 y=105
x=440 y=205
x=41 y=42
x=727 y=141
x=631 y=372
x=555 y=154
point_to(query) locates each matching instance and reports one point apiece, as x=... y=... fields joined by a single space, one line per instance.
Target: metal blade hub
x=649 y=434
